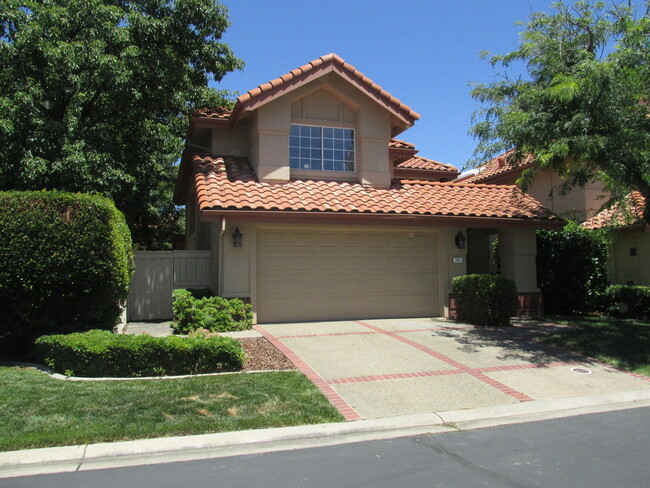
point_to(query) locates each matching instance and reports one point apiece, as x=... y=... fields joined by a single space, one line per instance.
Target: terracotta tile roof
x=220 y=113
x=418 y=162
x=228 y=183
x=496 y=168
x=628 y=213
x=397 y=144
x=316 y=68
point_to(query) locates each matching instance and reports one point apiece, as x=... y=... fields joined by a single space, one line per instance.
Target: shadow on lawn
x=625 y=343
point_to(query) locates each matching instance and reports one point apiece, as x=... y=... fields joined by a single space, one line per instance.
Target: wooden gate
x=157 y=273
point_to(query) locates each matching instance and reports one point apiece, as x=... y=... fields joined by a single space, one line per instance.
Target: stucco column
x=517 y=251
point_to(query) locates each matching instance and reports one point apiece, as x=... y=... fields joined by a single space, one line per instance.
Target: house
x=312 y=209
x=629 y=250
x=579 y=204
x=631 y=241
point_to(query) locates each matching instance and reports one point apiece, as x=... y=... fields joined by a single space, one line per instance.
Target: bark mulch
x=262 y=355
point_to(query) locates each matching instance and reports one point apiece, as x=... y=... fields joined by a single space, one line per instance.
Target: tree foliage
x=571 y=268
x=95 y=94
x=583 y=108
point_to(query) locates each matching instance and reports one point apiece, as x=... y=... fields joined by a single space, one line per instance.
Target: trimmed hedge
x=65 y=263
x=215 y=314
x=571 y=269
x=484 y=299
x=627 y=301
x=99 y=353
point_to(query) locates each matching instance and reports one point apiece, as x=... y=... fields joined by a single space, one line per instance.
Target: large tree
x=583 y=106
x=95 y=97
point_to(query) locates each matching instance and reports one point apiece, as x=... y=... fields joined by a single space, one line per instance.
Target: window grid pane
x=321 y=148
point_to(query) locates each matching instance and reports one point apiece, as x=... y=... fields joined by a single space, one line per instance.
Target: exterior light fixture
x=460 y=240
x=237 y=238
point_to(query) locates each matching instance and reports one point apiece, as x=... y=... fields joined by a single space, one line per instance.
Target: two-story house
x=313 y=210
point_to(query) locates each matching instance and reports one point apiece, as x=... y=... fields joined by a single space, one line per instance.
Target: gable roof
x=496 y=169
x=228 y=184
x=630 y=212
x=330 y=63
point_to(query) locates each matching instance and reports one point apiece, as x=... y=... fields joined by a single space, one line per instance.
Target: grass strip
x=40 y=411
x=624 y=343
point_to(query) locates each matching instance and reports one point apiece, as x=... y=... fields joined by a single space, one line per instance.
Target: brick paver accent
x=456 y=367
x=334 y=398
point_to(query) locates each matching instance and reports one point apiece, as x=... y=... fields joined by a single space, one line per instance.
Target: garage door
x=306 y=275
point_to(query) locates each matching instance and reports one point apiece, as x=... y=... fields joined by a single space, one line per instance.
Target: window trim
x=322 y=150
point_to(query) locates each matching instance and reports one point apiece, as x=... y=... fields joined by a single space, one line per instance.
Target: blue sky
x=423 y=52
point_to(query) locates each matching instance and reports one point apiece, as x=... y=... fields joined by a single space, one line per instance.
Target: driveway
x=389 y=367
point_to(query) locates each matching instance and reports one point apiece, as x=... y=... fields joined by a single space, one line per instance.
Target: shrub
x=65 y=263
x=215 y=314
x=98 y=353
x=627 y=301
x=484 y=299
x=571 y=268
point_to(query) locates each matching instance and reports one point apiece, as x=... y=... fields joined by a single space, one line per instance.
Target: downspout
x=221 y=255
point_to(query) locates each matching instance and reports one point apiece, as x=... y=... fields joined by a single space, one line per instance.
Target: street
x=596 y=450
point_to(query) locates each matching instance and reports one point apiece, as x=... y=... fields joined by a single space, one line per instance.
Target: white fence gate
x=157 y=273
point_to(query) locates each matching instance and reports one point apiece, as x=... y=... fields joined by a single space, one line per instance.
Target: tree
x=583 y=108
x=95 y=97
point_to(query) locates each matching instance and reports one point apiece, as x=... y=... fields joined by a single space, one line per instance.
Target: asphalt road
x=598 y=450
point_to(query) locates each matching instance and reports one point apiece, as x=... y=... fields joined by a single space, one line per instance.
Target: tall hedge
x=571 y=268
x=66 y=263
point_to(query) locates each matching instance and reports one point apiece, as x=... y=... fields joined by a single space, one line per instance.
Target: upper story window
x=321 y=148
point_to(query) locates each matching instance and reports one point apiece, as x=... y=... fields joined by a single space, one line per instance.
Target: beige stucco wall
x=327 y=101
x=579 y=204
x=517 y=252
x=623 y=267
x=231 y=141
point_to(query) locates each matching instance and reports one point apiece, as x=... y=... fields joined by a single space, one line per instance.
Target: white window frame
x=323 y=150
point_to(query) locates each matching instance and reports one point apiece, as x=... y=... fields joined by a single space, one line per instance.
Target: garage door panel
x=341 y=275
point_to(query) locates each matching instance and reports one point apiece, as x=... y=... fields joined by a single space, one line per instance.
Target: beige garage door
x=306 y=275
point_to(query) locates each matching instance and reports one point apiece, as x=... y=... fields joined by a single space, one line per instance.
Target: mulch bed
x=262 y=355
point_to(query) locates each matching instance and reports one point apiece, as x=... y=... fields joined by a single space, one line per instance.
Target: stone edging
x=58 y=376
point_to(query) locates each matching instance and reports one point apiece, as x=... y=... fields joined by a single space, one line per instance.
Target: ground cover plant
x=103 y=411
x=624 y=343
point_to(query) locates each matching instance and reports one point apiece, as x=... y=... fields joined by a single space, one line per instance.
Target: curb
x=206 y=446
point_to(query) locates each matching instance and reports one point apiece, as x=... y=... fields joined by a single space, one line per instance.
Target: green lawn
x=624 y=343
x=39 y=411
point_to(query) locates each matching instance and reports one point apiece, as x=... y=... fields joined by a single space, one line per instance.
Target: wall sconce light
x=460 y=240
x=237 y=238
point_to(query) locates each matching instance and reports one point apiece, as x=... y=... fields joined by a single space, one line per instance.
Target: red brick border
x=461 y=367
x=334 y=398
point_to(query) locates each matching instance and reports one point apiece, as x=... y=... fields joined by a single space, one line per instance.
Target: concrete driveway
x=389 y=367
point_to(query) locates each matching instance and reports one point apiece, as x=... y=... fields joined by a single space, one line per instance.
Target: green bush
x=99 y=353
x=571 y=269
x=627 y=301
x=65 y=263
x=215 y=314
x=484 y=299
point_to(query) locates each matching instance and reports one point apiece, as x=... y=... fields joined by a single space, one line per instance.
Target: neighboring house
x=629 y=253
x=628 y=257
x=312 y=209
x=579 y=204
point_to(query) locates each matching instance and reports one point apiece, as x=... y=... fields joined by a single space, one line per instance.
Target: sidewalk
x=175 y=449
